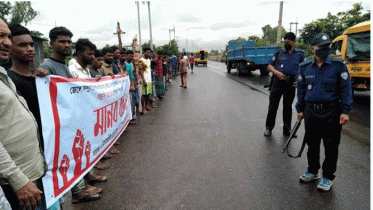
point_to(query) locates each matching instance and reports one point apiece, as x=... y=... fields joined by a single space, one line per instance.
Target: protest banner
x=81 y=120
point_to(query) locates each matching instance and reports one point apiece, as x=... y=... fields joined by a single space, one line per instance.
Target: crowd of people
x=324 y=101
x=22 y=163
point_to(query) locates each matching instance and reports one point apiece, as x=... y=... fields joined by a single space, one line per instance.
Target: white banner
x=81 y=120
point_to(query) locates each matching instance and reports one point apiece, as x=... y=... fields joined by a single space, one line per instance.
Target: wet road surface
x=203 y=148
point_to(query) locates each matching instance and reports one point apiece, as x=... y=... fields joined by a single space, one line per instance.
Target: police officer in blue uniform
x=284 y=65
x=324 y=100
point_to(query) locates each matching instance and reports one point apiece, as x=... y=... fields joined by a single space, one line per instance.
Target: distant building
x=39 y=56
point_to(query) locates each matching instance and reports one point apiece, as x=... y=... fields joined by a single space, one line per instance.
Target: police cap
x=321 y=39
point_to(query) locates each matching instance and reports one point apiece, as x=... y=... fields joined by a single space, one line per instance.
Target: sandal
x=93 y=190
x=114 y=150
x=98 y=179
x=102 y=167
x=107 y=156
x=86 y=198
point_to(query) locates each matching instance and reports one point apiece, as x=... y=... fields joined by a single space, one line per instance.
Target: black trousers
x=322 y=124
x=285 y=89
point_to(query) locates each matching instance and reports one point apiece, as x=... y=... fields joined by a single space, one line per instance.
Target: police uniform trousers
x=322 y=123
x=285 y=89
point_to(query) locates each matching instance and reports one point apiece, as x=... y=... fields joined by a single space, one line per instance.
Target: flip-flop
x=98 y=179
x=93 y=190
x=107 y=156
x=102 y=168
x=86 y=198
x=114 y=152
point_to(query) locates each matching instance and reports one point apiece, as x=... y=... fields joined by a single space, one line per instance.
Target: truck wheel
x=229 y=67
x=264 y=71
x=239 y=68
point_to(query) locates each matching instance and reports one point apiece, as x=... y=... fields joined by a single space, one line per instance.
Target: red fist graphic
x=65 y=164
x=77 y=150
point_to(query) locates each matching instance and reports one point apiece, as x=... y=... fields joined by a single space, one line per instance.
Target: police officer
x=324 y=100
x=284 y=65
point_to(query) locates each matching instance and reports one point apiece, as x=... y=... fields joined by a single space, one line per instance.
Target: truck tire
x=263 y=71
x=241 y=67
x=229 y=67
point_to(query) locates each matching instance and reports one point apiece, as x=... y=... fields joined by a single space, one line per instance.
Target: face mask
x=288 y=46
x=323 y=53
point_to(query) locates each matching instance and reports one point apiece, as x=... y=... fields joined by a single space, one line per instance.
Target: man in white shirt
x=85 y=54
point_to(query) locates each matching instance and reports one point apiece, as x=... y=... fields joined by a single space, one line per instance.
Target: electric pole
x=150 y=25
x=138 y=14
x=279 y=27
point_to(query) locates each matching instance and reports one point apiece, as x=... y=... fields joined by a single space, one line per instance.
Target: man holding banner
x=21 y=158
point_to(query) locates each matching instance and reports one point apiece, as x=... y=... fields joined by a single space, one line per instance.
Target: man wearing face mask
x=284 y=66
x=324 y=100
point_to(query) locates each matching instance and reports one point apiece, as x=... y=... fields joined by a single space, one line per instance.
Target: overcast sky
x=201 y=24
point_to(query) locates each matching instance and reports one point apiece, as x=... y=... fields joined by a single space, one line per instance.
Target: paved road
x=203 y=148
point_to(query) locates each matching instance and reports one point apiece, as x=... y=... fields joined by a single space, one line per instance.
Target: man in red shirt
x=158 y=72
x=191 y=61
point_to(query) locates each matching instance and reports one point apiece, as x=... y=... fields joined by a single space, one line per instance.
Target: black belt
x=323 y=106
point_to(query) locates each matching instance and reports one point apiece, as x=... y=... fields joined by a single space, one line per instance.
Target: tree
x=270 y=34
x=258 y=41
x=169 y=49
x=334 y=25
x=22 y=12
x=37 y=34
x=239 y=39
x=5 y=8
x=214 y=52
x=147 y=45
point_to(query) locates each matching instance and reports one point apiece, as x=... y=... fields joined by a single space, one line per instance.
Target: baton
x=292 y=133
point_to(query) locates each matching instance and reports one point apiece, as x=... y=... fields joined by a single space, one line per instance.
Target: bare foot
x=100 y=165
x=145 y=112
x=113 y=150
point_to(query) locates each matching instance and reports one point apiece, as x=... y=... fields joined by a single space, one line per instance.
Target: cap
x=321 y=39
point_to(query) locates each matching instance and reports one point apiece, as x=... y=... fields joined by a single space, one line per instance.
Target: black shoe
x=268 y=133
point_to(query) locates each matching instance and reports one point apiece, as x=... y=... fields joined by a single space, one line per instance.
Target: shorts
x=148 y=89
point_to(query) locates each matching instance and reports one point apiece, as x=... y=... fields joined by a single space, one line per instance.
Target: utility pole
x=170 y=33
x=138 y=14
x=296 y=28
x=150 y=25
x=279 y=28
x=174 y=33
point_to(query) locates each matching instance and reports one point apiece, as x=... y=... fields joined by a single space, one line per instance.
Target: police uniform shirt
x=288 y=63
x=328 y=84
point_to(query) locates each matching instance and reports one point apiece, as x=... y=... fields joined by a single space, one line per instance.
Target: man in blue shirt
x=284 y=66
x=174 y=62
x=324 y=100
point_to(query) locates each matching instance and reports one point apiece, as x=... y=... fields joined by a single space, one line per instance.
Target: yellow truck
x=354 y=47
x=201 y=57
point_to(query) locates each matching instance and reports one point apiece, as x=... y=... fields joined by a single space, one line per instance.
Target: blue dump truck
x=246 y=57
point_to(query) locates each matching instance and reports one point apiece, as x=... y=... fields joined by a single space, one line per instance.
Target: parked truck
x=354 y=46
x=246 y=57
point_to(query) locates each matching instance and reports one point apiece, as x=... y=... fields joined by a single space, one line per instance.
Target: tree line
x=334 y=25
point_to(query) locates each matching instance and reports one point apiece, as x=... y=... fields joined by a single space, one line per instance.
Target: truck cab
x=354 y=47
